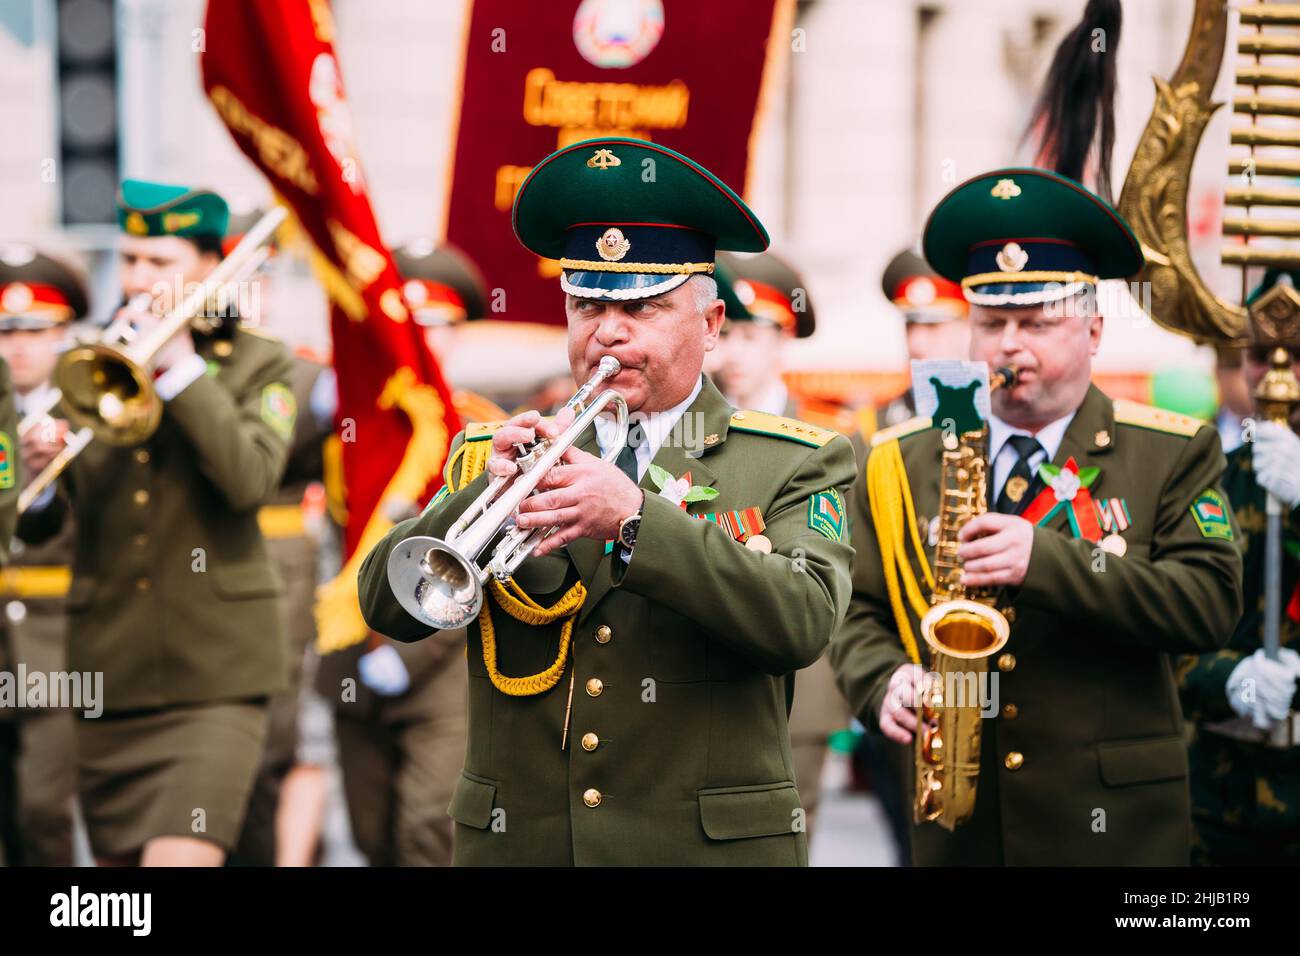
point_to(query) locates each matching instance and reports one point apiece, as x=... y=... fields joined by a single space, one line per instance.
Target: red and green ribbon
x=1067 y=490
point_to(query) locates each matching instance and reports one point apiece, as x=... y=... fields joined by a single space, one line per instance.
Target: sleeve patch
x=279 y=408
x=1211 y=515
x=6 y=461
x=827 y=514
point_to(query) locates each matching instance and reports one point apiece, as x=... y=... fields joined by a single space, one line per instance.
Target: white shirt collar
x=656 y=425
x=1049 y=436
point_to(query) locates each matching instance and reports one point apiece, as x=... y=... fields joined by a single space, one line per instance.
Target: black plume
x=1077 y=103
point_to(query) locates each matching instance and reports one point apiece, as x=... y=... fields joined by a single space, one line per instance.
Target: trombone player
x=173 y=597
x=627 y=700
x=1107 y=533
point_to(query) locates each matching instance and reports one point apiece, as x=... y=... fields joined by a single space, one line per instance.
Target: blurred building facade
x=885 y=105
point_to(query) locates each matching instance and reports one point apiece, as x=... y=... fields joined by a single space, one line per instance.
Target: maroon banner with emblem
x=685 y=74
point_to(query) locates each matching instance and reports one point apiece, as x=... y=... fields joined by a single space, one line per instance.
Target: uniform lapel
x=700 y=433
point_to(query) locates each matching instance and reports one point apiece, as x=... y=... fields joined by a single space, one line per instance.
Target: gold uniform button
x=1007 y=662
x=590 y=742
x=141 y=540
x=143 y=584
x=141 y=497
x=592 y=797
x=595 y=687
x=1015 y=760
x=223 y=349
x=604 y=634
x=1010 y=711
x=142 y=456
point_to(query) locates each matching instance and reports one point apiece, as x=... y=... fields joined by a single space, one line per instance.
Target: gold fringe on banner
x=339 y=623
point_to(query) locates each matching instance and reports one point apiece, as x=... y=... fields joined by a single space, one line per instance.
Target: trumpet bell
x=108 y=393
x=434 y=583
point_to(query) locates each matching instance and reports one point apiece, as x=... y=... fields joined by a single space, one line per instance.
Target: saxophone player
x=1107 y=533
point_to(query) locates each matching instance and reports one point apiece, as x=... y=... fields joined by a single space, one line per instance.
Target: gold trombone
x=105 y=384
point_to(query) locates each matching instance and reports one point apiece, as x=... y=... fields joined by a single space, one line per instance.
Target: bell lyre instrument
x=1262 y=211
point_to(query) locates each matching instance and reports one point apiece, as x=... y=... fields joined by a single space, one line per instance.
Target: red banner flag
x=270 y=71
x=688 y=75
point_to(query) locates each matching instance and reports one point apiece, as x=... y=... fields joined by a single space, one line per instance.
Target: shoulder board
x=1155 y=419
x=478 y=431
x=791 y=429
x=901 y=430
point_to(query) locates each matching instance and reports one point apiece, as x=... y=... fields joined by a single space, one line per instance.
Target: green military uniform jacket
x=1245 y=796
x=9 y=488
x=678 y=730
x=1085 y=686
x=173 y=596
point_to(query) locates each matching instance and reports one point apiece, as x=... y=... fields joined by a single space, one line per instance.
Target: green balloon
x=1187 y=391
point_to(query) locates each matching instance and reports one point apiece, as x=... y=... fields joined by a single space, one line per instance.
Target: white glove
x=1276 y=458
x=1261 y=690
x=383 y=672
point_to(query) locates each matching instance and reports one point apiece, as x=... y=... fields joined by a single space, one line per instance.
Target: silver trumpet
x=439 y=581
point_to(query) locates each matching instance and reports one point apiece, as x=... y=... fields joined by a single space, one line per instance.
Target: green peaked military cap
x=630 y=219
x=1023 y=236
x=160 y=209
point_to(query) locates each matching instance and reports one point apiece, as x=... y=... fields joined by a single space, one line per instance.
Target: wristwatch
x=627 y=529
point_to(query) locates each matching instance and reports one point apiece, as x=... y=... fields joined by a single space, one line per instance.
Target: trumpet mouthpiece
x=609 y=365
x=1005 y=377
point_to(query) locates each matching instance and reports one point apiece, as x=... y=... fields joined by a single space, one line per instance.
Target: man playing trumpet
x=1107 y=534
x=627 y=699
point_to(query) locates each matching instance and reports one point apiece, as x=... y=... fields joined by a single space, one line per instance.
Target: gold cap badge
x=136 y=225
x=612 y=246
x=603 y=159
x=1012 y=258
x=1005 y=189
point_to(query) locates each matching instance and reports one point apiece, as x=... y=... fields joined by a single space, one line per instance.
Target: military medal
x=1114 y=544
x=759 y=543
x=1017 y=485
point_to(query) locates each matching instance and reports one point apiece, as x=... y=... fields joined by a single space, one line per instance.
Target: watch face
x=627 y=530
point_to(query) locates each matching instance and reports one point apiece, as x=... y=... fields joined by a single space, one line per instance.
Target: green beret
x=159 y=209
x=629 y=219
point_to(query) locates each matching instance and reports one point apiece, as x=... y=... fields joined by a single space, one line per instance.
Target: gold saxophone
x=963 y=630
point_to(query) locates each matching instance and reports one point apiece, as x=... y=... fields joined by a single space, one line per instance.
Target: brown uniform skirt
x=181 y=771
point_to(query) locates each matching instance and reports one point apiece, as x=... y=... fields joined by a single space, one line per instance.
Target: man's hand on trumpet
x=583 y=496
x=41 y=443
